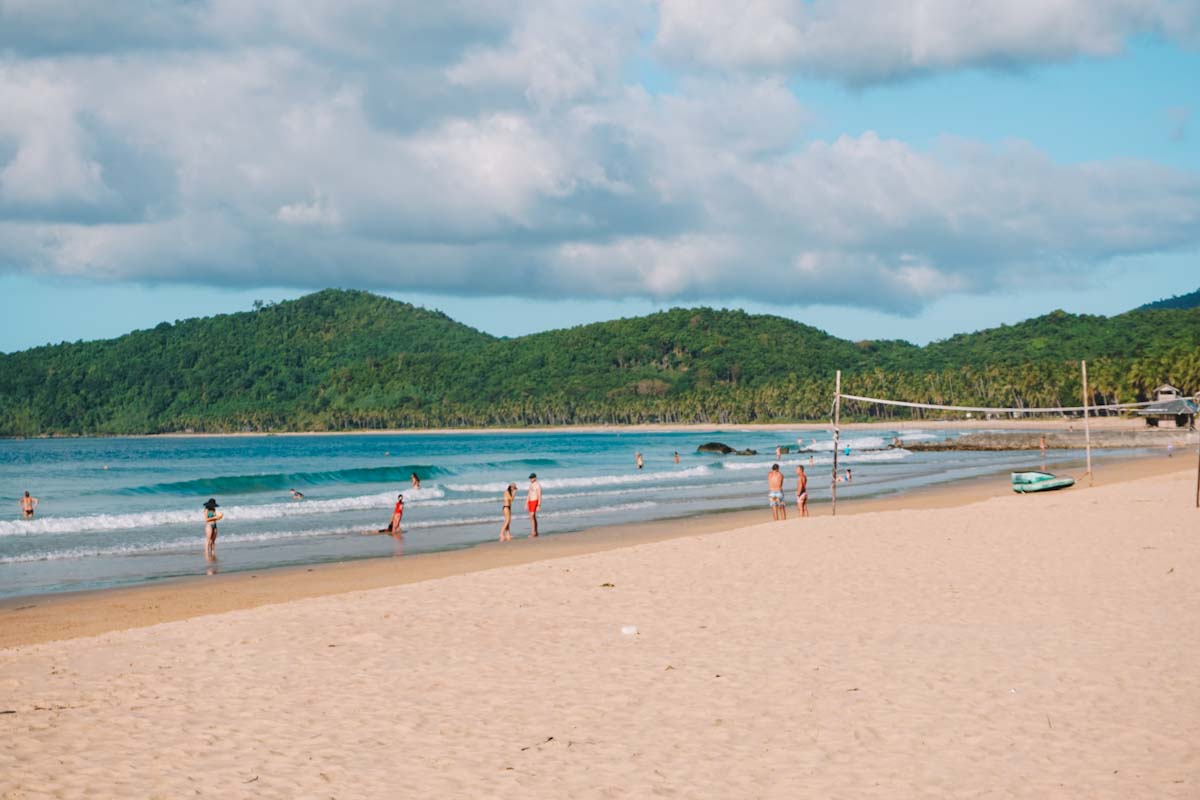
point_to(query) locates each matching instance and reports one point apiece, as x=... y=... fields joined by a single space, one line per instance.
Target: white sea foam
x=154 y=519
x=580 y=482
x=916 y=436
x=886 y=455
x=854 y=443
x=190 y=544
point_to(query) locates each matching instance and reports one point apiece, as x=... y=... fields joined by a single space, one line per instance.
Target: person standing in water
x=775 y=493
x=211 y=518
x=416 y=481
x=640 y=463
x=28 y=505
x=297 y=495
x=801 y=492
x=676 y=456
x=510 y=494
x=533 y=501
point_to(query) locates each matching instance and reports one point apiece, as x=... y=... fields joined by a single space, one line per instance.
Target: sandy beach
x=960 y=643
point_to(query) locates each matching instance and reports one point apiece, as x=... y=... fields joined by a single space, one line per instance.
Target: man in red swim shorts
x=532 y=501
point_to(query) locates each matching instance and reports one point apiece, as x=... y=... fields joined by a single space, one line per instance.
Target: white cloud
x=863 y=41
x=487 y=148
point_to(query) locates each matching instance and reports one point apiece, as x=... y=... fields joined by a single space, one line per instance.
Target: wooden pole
x=1087 y=428
x=837 y=421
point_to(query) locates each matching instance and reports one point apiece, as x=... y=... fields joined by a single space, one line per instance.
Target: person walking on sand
x=775 y=493
x=801 y=492
x=510 y=494
x=28 y=505
x=211 y=518
x=416 y=481
x=640 y=462
x=533 y=501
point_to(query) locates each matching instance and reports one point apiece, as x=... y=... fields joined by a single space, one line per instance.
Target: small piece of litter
x=629 y=630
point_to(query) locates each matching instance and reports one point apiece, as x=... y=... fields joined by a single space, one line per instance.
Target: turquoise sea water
x=123 y=511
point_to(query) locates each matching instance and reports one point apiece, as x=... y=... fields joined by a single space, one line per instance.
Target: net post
x=1087 y=429
x=837 y=421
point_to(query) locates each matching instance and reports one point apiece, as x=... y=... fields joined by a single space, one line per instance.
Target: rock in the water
x=715 y=447
x=746 y=452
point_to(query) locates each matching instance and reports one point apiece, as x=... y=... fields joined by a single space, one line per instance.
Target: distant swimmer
x=775 y=493
x=640 y=462
x=801 y=492
x=416 y=482
x=676 y=456
x=297 y=495
x=510 y=494
x=849 y=475
x=211 y=518
x=533 y=501
x=28 y=505
x=778 y=451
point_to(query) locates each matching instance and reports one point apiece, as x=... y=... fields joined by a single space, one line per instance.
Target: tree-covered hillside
x=1189 y=300
x=351 y=360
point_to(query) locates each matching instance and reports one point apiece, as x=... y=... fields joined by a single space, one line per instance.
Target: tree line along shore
x=347 y=360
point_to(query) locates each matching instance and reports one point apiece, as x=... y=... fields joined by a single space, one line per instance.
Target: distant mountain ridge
x=350 y=360
x=1189 y=300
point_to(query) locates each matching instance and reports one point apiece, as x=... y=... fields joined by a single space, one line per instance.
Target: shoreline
x=31 y=619
x=897 y=425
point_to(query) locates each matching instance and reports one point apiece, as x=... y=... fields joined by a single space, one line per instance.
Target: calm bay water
x=124 y=511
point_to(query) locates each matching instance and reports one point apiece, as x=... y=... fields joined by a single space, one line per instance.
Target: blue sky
x=877 y=169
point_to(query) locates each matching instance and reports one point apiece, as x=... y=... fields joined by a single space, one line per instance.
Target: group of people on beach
x=775 y=492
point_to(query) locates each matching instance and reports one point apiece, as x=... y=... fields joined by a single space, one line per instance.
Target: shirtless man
x=775 y=493
x=28 y=505
x=801 y=492
x=640 y=462
x=533 y=501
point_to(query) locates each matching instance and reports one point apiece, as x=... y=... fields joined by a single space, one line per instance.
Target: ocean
x=122 y=511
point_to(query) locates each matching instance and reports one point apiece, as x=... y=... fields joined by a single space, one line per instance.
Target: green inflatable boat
x=1026 y=482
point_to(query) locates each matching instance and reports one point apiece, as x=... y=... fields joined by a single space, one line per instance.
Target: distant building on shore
x=1170 y=409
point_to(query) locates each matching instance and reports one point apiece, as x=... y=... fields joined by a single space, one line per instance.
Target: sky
x=876 y=168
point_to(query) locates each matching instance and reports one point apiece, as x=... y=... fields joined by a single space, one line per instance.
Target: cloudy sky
x=874 y=167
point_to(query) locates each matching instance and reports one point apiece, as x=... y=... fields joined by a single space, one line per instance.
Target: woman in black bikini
x=509 y=495
x=211 y=516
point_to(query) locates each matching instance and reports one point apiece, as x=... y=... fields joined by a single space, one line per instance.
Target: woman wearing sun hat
x=211 y=516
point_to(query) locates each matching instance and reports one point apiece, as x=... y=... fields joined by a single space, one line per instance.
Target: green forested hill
x=351 y=360
x=1189 y=300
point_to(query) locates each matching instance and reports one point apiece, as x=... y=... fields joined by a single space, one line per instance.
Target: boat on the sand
x=1034 y=481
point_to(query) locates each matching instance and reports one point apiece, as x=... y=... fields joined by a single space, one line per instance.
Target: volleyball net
x=1066 y=414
